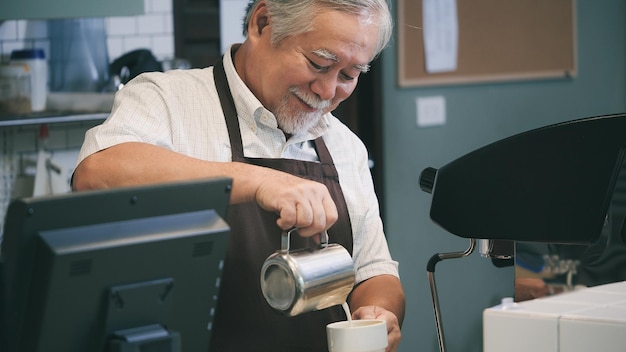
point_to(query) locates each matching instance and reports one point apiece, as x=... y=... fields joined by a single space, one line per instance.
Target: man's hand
x=393 y=326
x=380 y=297
x=300 y=203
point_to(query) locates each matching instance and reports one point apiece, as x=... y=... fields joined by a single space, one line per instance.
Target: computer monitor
x=125 y=269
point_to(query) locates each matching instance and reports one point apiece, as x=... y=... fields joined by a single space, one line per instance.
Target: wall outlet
x=431 y=111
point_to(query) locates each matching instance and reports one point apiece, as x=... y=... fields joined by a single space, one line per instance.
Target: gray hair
x=291 y=17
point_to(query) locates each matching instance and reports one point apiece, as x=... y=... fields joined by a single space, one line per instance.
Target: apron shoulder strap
x=230 y=112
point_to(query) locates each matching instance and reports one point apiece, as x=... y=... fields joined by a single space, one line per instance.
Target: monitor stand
x=150 y=338
x=146 y=301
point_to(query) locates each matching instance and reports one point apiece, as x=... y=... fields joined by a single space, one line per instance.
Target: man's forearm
x=299 y=202
x=131 y=164
x=384 y=291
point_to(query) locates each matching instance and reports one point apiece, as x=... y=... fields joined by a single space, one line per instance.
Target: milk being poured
x=346 y=309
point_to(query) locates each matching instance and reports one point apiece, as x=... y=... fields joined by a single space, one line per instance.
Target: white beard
x=293 y=122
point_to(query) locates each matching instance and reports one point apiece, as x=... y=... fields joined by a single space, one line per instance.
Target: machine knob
x=427 y=179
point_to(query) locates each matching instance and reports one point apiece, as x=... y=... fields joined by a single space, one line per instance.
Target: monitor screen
x=124 y=269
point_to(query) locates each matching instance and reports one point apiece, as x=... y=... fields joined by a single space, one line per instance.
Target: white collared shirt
x=180 y=110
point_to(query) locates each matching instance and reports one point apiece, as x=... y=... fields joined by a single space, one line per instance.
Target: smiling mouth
x=316 y=105
x=305 y=104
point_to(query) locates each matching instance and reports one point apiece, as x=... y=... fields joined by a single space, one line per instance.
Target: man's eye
x=316 y=66
x=324 y=69
x=346 y=77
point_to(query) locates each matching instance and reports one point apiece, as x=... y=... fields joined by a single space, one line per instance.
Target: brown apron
x=243 y=319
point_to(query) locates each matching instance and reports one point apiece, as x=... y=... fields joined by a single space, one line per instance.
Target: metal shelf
x=50 y=118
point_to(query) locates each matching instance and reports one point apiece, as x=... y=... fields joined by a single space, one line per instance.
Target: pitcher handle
x=284 y=241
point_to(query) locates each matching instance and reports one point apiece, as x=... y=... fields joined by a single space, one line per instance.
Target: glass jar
x=14 y=89
x=38 y=69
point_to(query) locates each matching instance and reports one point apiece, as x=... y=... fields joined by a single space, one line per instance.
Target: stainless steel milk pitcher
x=307 y=279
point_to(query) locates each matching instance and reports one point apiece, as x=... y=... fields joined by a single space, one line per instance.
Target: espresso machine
x=551 y=184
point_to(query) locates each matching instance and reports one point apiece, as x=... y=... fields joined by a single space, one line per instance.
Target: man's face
x=309 y=74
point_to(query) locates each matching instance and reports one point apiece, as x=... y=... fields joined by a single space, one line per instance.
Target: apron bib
x=243 y=319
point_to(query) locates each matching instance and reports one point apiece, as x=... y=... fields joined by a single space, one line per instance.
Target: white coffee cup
x=367 y=335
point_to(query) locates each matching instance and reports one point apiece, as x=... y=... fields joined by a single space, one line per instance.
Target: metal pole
x=433 y=287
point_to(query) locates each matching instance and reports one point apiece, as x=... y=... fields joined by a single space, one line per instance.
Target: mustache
x=310 y=99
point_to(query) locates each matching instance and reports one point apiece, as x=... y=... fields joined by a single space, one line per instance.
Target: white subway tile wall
x=153 y=30
x=19 y=145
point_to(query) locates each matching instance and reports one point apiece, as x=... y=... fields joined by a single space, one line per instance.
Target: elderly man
x=262 y=116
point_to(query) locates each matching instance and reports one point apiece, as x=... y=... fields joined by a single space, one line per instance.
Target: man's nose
x=325 y=87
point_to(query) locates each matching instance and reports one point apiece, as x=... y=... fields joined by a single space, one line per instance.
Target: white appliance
x=589 y=319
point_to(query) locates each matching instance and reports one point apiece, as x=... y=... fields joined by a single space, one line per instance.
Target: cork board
x=497 y=41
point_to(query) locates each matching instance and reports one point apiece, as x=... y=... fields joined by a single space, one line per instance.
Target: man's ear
x=259 y=20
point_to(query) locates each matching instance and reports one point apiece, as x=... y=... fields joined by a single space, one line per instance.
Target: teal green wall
x=478 y=115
